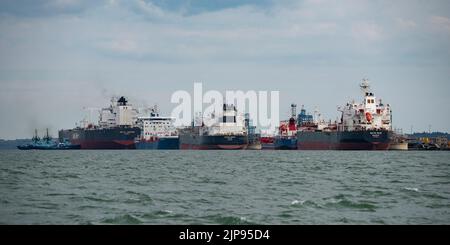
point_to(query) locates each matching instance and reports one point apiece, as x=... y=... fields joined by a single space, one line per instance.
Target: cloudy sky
x=58 y=56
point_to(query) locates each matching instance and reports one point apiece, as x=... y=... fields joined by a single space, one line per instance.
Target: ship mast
x=35 y=137
x=47 y=137
x=365 y=86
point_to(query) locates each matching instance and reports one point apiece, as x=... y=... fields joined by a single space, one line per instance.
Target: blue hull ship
x=159 y=144
x=285 y=143
x=157 y=133
x=287 y=134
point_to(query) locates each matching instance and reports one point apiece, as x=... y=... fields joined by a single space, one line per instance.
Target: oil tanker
x=363 y=126
x=116 y=129
x=158 y=132
x=287 y=132
x=228 y=132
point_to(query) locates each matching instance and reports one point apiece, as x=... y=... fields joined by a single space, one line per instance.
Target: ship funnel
x=122 y=101
x=293 y=110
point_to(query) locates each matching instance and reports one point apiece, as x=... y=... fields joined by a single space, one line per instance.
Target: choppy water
x=224 y=187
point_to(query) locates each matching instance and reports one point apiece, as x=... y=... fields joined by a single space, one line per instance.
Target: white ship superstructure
x=157 y=126
x=363 y=126
x=228 y=122
x=225 y=130
x=371 y=114
x=119 y=113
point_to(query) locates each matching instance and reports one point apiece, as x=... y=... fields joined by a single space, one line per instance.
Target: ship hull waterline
x=285 y=143
x=357 y=140
x=159 y=144
x=102 y=139
x=195 y=142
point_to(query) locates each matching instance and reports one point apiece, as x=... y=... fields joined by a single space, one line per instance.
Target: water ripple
x=224 y=187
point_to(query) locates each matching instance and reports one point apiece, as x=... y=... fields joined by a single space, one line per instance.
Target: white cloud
x=367 y=32
x=441 y=23
x=127 y=46
x=148 y=9
x=64 y=3
x=405 y=23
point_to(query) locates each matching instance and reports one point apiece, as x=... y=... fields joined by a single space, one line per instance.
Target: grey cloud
x=193 y=7
x=44 y=8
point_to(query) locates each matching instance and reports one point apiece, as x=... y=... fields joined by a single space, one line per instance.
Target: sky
x=58 y=57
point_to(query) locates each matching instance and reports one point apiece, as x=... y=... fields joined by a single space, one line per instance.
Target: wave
x=229 y=220
x=140 y=198
x=126 y=219
x=435 y=196
x=295 y=202
x=85 y=207
x=375 y=193
x=47 y=205
x=60 y=194
x=96 y=199
x=305 y=203
x=340 y=201
x=163 y=215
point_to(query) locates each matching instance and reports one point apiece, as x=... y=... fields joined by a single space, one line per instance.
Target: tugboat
x=157 y=133
x=35 y=141
x=363 y=126
x=287 y=133
x=47 y=143
x=228 y=132
x=66 y=145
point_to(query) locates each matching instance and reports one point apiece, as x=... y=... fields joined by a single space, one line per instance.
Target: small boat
x=47 y=143
x=398 y=142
